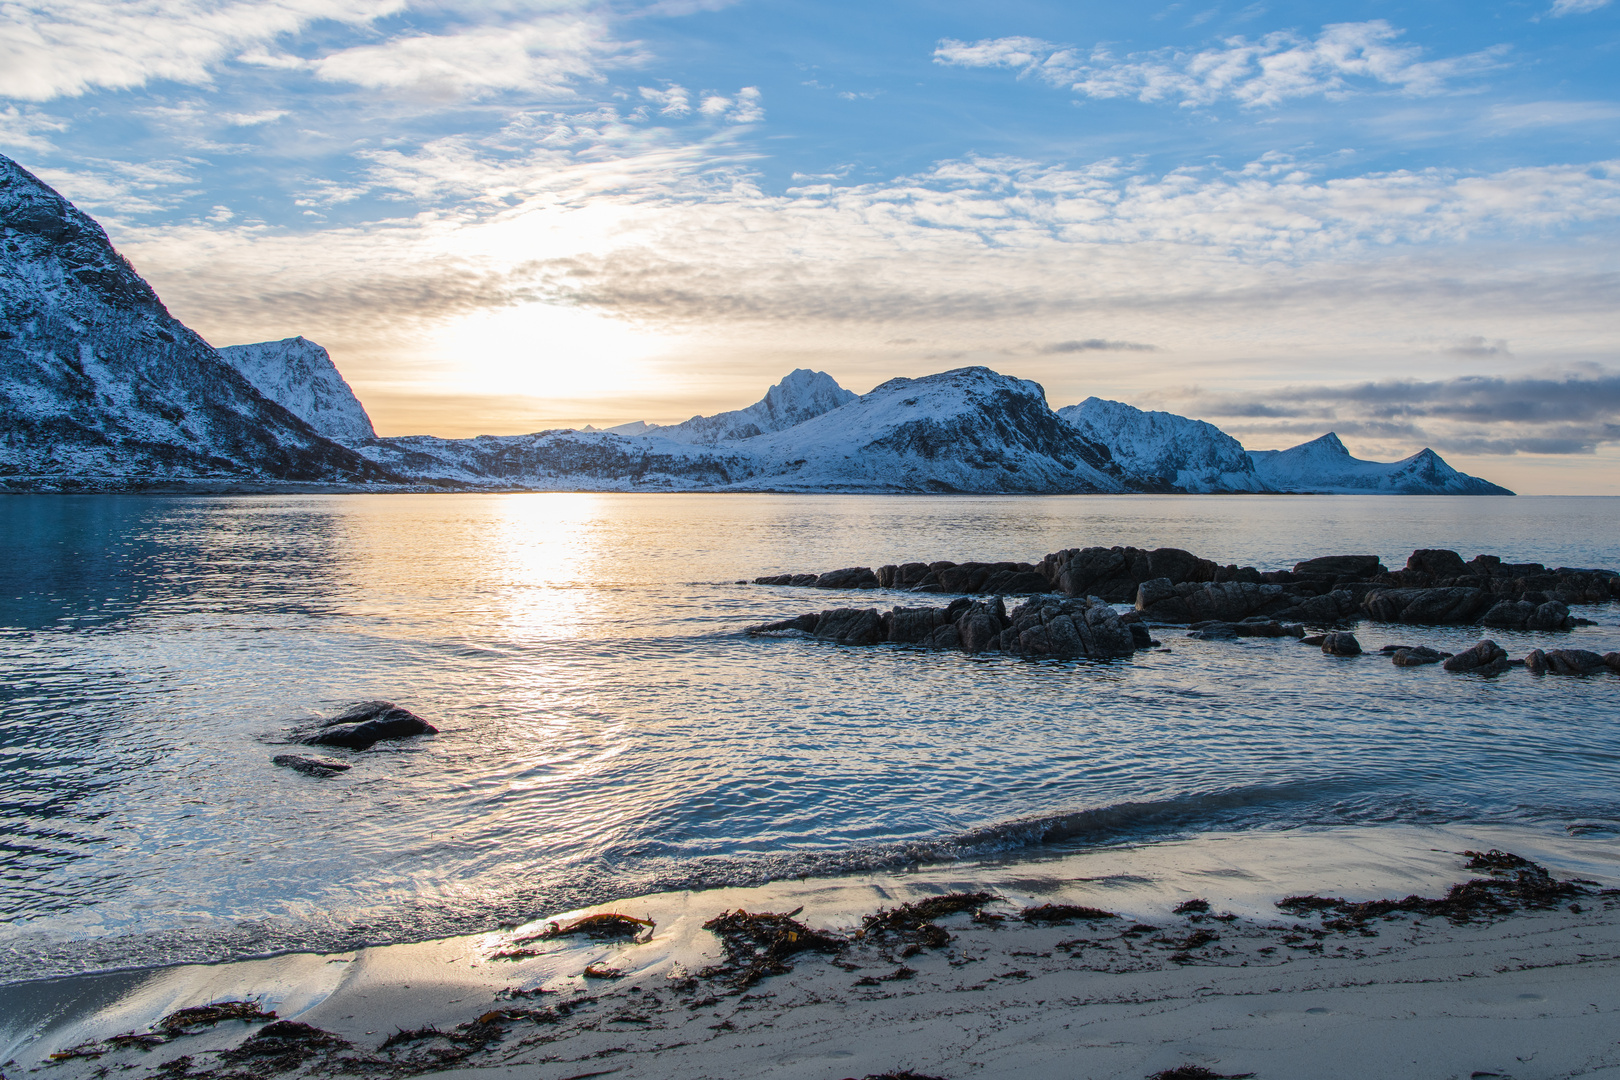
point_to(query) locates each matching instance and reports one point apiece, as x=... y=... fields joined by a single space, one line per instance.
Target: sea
x=607 y=729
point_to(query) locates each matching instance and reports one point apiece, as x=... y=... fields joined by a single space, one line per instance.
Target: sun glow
x=545 y=351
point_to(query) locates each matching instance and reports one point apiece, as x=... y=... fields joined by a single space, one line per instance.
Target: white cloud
x=544 y=56
x=1576 y=7
x=745 y=108
x=1264 y=71
x=673 y=101
x=63 y=48
x=28 y=130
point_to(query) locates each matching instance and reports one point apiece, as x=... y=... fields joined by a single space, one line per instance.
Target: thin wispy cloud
x=1576 y=7
x=1266 y=71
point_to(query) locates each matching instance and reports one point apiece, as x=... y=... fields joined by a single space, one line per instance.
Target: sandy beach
x=1239 y=988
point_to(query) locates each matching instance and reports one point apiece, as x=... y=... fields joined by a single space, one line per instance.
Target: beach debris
x=899 y=974
x=1196 y=1072
x=757 y=944
x=209 y=1015
x=1065 y=913
x=1516 y=884
x=1192 y=907
x=903 y=1074
x=603 y=926
x=309 y=766
x=914 y=923
x=1341 y=644
x=366 y=723
x=601 y=970
x=282 y=1045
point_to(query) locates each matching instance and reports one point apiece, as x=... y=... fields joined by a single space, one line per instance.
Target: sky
x=1393 y=220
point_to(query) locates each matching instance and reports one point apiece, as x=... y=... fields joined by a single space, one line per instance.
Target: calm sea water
x=608 y=731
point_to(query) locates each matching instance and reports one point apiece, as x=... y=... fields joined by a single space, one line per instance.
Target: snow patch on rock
x=299 y=375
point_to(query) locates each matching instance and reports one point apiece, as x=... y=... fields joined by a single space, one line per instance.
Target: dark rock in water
x=1553 y=615
x=850 y=626
x=1041 y=626
x=854 y=577
x=1437 y=562
x=1360 y=567
x=1433 y=607
x=1572 y=662
x=1341 y=644
x=1215 y=601
x=309 y=766
x=1417 y=656
x=1613 y=661
x=1313 y=639
x=1485 y=658
x=1267 y=628
x=360 y=726
x=1536 y=662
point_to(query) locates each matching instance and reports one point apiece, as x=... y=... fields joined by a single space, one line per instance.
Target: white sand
x=1534 y=994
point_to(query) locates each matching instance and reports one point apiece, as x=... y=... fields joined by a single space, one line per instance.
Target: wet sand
x=1240 y=988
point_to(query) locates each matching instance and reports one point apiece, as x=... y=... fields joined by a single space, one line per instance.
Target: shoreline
x=1002 y=997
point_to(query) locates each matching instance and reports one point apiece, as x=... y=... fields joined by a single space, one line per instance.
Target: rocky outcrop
x=361 y=726
x=309 y=766
x=1485 y=658
x=1043 y=626
x=1170 y=585
x=1567 y=662
x=1341 y=644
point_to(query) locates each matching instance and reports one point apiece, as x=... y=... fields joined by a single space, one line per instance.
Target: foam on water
x=608 y=731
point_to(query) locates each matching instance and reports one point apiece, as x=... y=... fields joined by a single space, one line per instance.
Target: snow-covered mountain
x=1180 y=453
x=563 y=460
x=101 y=387
x=1324 y=466
x=971 y=429
x=802 y=396
x=299 y=375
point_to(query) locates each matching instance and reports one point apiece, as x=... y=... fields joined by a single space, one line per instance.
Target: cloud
x=1567 y=413
x=1541 y=114
x=28 y=130
x=744 y=108
x=64 y=48
x=543 y=56
x=1097 y=345
x=1576 y=7
x=1262 y=72
x=1477 y=348
x=673 y=101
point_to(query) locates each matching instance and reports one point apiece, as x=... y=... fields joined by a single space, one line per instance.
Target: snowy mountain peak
x=1166 y=450
x=1325 y=466
x=101 y=387
x=802 y=395
x=971 y=429
x=299 y=375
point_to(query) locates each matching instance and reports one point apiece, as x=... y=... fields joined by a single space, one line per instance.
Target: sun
x=546 y=351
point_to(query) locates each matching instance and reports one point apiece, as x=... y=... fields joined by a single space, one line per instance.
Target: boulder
x=1358 y=567
x=805 y=624
x=1417 y=656
x=1341 y=644
x=853 y=577
x=1016 y=583
x=369 y=722
x=1553 y=615
x=309 y=766
x=1323 y=610
x=850 y=626
x=979 y=627
x=1437 y=563
x=1509 y=615
x=1485 y=658
x=1536 y=662
x=1431 y=607
x=1574 y=662
x=1179 y=565
x=1067 y=629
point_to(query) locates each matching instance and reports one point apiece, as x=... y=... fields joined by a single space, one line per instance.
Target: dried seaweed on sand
x=914 y=923
x=758 y=944
x=1516 y=884
x=1062 y=913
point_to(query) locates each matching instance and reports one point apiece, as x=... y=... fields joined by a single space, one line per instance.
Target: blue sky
x=1395 y=220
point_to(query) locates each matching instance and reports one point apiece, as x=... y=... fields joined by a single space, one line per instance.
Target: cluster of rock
x=1041 y=626
x=1169 y=585
x=358 y=727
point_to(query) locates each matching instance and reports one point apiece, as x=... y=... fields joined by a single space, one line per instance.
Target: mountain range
x=101 y=388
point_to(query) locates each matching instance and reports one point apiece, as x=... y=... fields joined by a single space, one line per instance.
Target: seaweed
x=1196 y=1072
x=603 y=926
x=903 y=1074
x=1192 y=907
x=281 y=1046
x=914 y=923
x=757 y=944
x=1516 y=884
x=1064 y=913
x=602 y=971
x=209 y=1015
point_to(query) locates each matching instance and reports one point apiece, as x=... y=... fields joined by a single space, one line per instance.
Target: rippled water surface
x=607 y=730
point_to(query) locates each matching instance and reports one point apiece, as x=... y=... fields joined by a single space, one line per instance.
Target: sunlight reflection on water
x=606 y=730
